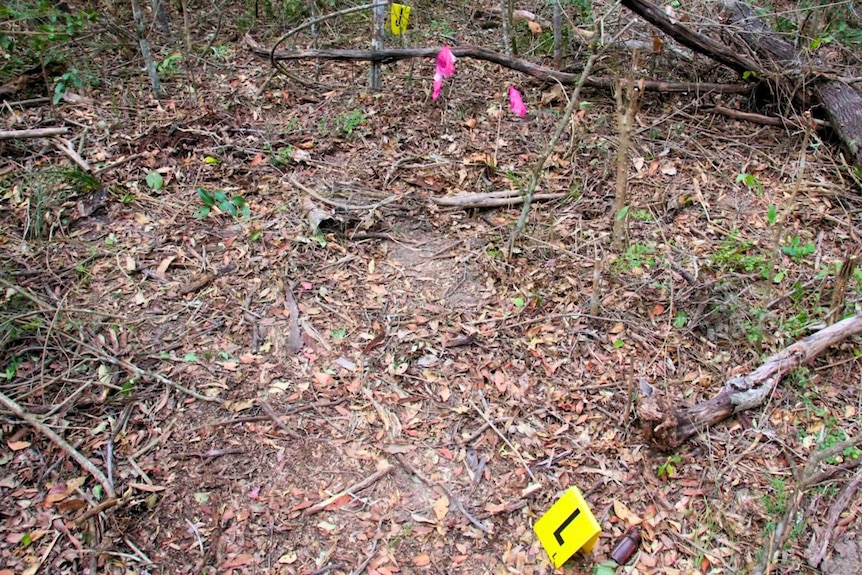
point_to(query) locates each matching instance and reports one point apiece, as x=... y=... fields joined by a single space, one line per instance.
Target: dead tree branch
x=667 y=428
x=543 y=73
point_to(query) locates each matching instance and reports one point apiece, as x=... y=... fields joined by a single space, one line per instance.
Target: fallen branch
x=667 y=428
x=85 y=463
x=359 y=486
x=544 y=73
x=34 y=133
x=492 y=199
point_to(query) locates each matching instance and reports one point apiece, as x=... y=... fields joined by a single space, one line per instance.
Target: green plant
x=797 y=250
x=12 y=368
x=35 y=30
x=751 y=181
x=680 y=319
x=668 y=468
x=62 y=84
x=155 y=181
x=734 y=254
x=282 y=157
x=776 y=502
x=222 y=52
x=636 y=256
x=233 y=205
x=347 y=122
x=641 y=215
x=170 y=66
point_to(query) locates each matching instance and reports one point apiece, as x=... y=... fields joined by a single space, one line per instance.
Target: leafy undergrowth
x=146 y=317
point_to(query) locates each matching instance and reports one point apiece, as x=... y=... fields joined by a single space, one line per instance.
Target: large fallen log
x=777 y=59
x=667 y=427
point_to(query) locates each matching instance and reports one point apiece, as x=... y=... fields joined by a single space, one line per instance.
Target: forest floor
x=444 y=395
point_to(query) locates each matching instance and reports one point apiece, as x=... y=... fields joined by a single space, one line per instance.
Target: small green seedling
x=668 y=468
x=235 y=206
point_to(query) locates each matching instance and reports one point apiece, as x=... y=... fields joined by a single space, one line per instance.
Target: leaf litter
x=438 y=397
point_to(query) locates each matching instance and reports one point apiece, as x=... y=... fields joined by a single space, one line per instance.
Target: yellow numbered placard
x=398 y=18
x=568 y=526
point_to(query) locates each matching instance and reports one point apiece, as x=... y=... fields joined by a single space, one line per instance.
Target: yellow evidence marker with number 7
x=567 y=527
x=398 y=18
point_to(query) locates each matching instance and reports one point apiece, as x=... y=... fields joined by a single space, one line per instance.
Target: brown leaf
x=422 y=560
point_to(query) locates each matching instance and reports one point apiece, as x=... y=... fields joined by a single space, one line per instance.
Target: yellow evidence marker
x=567 y=526
x=398 y=18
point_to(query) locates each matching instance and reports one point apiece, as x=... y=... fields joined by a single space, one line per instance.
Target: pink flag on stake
x=445 y=68
x=516 y=103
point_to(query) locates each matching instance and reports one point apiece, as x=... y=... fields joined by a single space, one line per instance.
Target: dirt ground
x=444 y=395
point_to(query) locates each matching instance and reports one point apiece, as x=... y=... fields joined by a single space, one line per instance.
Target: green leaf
x=155 y=181
x=623 y=213
x=680 y=320
x=772 y=214
x=212 y=161
x=779 y=277
x=202 y=212
x=518 y=301
x=190 y=357
x=228 y=207
x=618 y=343
x=206 y=197
x=202 y=497
x=605 y=568
x=26 y=540
x=220 y=196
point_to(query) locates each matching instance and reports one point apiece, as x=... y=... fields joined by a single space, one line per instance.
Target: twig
x=562 y=123
x=93 y=511
x=359 y=486
x=85 y=463
x=294 y=338
x=267 y=409
x=34 y=133
x=65 y=146
x=361 y=567
x=505 y=440
x=817 y=550
x=336 y=204
x=477 y=52
x=452 y=499
x=314 y=22
x=101 y=355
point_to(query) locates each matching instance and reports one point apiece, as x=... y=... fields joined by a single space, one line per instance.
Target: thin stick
x=561 y=125
x=34 y=133
x=506 y=440
x=314 y=22
x=85 y=463
x=267 y=409
x=452 y=499
x=336 y=204
x=359 y=486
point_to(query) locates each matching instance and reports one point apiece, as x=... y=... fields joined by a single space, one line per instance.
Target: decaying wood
x=667 y=427
x=492 y=199
x=478 y=53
